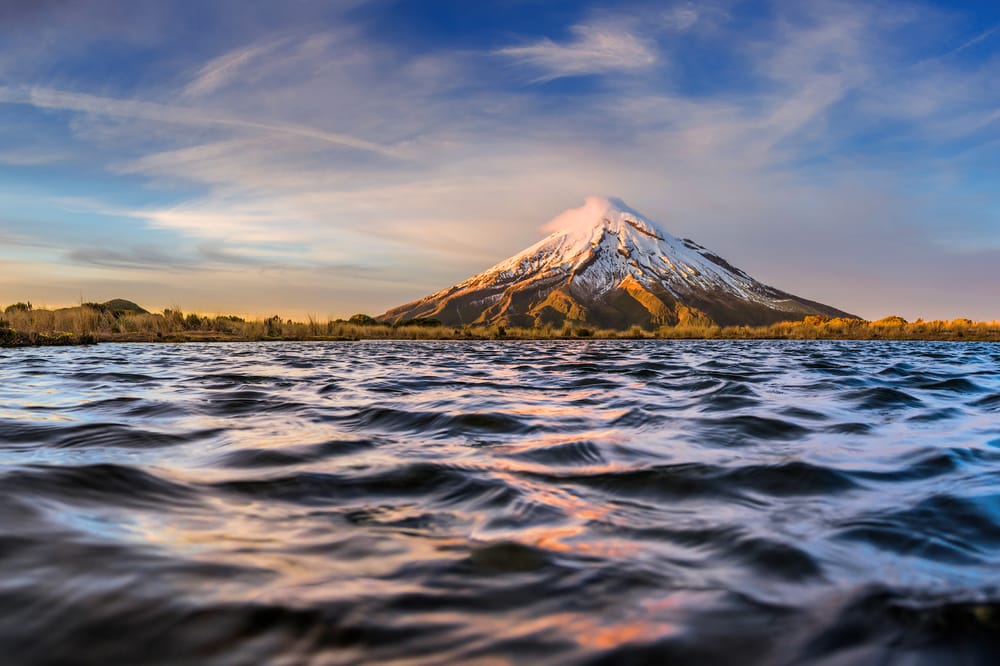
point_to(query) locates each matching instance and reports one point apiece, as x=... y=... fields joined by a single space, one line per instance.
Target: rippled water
x=537 y=502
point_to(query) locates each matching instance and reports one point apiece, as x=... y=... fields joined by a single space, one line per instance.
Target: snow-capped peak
x=604 y=241
x=605 y=257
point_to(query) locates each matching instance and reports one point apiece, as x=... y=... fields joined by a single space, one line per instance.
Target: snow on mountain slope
x=606 y=265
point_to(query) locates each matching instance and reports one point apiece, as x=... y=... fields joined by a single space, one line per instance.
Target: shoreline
x=66 y=339
x=121 y=321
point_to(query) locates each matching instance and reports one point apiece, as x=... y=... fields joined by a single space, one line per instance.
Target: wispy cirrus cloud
x=594 y=48
x=134 y=258
x=49 y=98
x=31 y=157
x=976 y=39
x=681 y=18
x=218 y=72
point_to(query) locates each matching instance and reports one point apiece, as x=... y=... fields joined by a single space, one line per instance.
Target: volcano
x=605 y=265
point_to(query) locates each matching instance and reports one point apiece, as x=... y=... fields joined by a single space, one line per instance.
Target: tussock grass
x=102 y=323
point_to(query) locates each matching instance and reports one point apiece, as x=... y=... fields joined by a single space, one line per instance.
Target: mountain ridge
x=607 y=265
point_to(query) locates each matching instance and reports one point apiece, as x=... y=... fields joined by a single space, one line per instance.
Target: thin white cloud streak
x=220 y=71
x=981 y=37
x=681 y=18
x=594 y=49
x=48 y=98
x=31 y=157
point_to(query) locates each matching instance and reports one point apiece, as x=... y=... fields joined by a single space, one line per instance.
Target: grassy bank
x=122 y=321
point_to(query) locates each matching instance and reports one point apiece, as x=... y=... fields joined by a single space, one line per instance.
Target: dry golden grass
x=19 y=326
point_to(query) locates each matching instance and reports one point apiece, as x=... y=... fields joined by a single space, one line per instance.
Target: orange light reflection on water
x=635 y=624
x=565 y=537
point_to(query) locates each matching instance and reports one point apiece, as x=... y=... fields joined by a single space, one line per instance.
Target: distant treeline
x=123 y=321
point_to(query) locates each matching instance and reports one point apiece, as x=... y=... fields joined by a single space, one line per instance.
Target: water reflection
x=621 y=501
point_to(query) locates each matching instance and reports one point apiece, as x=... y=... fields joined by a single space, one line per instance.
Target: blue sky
x=327 y=158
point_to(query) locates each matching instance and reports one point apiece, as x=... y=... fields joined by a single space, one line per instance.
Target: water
x=542 y=502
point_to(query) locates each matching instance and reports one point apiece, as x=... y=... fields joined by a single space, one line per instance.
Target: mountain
x=122 y=305
x=605 y=265
x=116 y=306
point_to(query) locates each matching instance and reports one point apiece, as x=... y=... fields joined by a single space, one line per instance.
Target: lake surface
x=529 y=502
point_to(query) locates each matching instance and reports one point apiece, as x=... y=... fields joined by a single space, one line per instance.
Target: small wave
x=882 y=625
x=685 y=480
x=97 y=435
x=936 y=415
x=507 y=557
x=253 y=457
x=739 y=429
x=882 y=398
x=769 y=557
x=990 y=402
x=803 y=413
x=742 y=377
x=929 y=464
x=850 y=428
x=829 y=368
x=182 y=632
x=331 y=387
x=954 y=385
x=229 y=380
x=439 y=483
x=942 y=527
x=462 y=424
x=898 y=370
x=729 y=397
x=695 y=480
x=247 y=402
x=565 y=454
x=113 y=377
x=765 y=556
x=790 y=478
x=103 y=484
